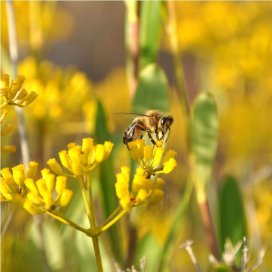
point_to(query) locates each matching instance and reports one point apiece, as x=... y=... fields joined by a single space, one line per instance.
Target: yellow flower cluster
x=152 y=158
x=43 y=27
x=146 y=187
x=21 y=186
x=67 y=92
x=144 y=190
x=13 y=94
x=80 y=159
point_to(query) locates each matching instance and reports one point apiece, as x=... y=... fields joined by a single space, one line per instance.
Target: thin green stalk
x=112 y=215
x=172 y=29
x=67 y=221
x=93 y=221
x=13 y=50
x=86 y=203
x=91 y=216
x=105 y=226
x=132 y=41
x=206 y=218
x=97 y=254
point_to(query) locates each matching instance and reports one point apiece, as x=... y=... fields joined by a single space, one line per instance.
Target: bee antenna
x=132 y=113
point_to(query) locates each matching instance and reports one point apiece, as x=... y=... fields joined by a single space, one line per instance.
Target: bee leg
x=167 y=135
x=157 y=134
x=150 y=137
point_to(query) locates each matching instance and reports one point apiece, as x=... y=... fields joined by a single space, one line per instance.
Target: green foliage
x=204 y=137
x=107 y=180
x=232 y=221
x=152 y=90
x=150 y=31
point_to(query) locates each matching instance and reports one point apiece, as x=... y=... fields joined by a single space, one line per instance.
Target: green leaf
x=232 y=221
x=204 y=135
x=152 y=90
x=150 y=31
x=107 y=180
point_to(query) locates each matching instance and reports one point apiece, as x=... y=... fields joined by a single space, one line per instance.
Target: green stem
x=176 y=55
x=206 y=218
x=97 y=254
x=132 y=43
x=13 y=50
x=66 y=221
x=91 y=216
x=105 y=225
x=86 y=203
x=113 y=215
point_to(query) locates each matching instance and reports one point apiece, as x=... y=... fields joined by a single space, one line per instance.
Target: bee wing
x=130 y=129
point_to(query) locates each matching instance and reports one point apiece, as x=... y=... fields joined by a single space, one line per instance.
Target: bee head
x=167 y=121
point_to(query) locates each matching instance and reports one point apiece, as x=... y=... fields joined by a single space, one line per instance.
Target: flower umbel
x=152 y=157
x=46 y=193
x=144 y=190
x=13 y=94
x=81 y=159
x=12 y=181
x=35 y=195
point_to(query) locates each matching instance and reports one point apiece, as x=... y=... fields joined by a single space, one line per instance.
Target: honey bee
x=154 y=123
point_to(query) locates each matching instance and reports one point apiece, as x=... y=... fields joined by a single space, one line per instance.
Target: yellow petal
x=60 y=184
x=6 y=174
x=75 y=160
x=21 y=94
x=169 y=166
x=141 y=196
x=148 y=153
x=91 y=158
x=42 y=188
x=45 y=171
x=121 y=187
x=54 y=166
x=32 y=169
x=30 y=185
x=50 y=182
x=158 y=152
x=28 y=99
x=87 y=145
x=64 y=158
x=125 y=203
x=99 y=153
x=169 y=154
x=19 y=174
x=108 y=148
x=65 y=197
x=34 y=198
x=5 y=190
x=125 y=170
x=16 y=86
x=31 y=208
x=136 y=149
